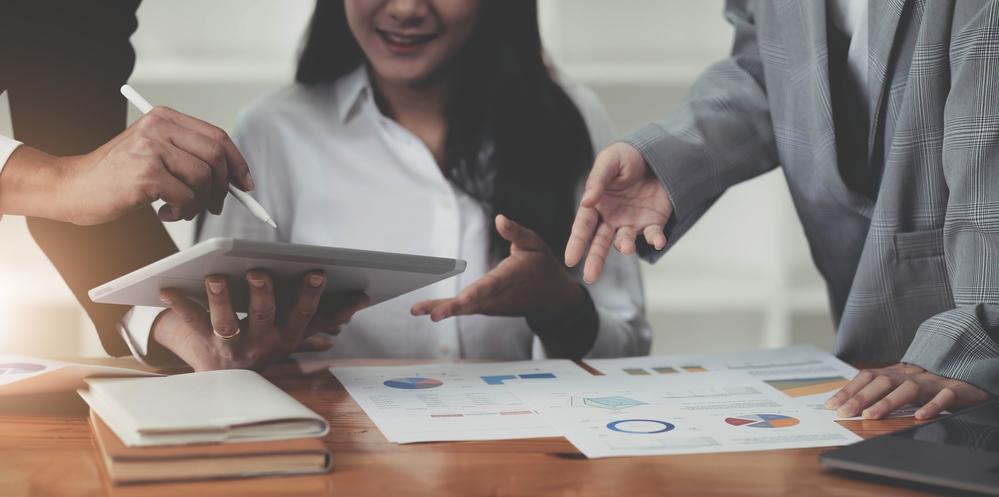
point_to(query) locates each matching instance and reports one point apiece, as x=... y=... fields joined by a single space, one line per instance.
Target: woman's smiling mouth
x=405 y=43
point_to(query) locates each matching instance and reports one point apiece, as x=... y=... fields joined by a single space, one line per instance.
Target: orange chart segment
x=802 y=387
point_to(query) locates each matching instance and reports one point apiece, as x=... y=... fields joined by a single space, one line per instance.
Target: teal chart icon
x=614 y=402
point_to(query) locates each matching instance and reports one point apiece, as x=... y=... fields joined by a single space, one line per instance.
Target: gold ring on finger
x=225 y=337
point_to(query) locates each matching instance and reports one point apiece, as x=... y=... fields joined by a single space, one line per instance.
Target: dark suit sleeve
x=63 y=63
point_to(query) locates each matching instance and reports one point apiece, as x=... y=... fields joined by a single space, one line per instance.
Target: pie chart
x=763 y=421
x=413 y=383
x=13 y=368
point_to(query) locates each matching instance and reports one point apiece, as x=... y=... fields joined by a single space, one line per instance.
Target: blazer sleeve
x=70 y=105
x=721 y=134
x=963 y=343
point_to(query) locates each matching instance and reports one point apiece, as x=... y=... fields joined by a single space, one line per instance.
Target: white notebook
x=233 y=405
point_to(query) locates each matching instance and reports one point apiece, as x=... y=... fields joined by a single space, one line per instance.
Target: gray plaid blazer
x=913 y=275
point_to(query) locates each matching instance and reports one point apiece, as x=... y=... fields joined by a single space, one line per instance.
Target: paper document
x=802 y=372
x=22 y=375
x=450 y=402
x=610 y=416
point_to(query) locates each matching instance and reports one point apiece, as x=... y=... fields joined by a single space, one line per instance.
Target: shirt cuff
x=7 y=148
x=137 y=326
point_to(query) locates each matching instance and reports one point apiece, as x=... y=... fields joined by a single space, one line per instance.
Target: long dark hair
x=515 y=141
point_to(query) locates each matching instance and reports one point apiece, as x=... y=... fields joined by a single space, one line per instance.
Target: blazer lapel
x=811 y=17
x=882 y=32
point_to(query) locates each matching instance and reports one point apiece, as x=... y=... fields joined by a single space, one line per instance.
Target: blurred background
x=741 y=279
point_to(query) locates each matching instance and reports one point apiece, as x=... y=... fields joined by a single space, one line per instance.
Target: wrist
x=29 y=179
x=569 y=331
x=569 y=299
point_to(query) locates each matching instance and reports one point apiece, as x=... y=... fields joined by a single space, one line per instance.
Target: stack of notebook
x=218 y=424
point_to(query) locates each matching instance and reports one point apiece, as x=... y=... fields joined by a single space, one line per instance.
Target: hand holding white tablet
x=271 y=330
x=228 y=276
x=244 y=198
x=379 y=275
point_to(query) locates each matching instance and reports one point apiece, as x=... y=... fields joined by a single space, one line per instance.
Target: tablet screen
x=975 y=429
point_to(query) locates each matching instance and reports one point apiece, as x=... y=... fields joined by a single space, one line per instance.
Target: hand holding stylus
x=227 y=164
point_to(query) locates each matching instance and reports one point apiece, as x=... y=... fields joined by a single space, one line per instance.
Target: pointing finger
x=582 y=232
x=598 y=253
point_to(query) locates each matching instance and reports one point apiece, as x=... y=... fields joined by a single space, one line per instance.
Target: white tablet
x=380 y=275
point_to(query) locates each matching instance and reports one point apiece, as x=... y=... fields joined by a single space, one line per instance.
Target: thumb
x=518 y=235
x=606 y=167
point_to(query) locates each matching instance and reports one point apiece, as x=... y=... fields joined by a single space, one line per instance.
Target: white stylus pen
x=244 y=198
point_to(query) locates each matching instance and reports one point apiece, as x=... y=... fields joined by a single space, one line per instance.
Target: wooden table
x=53 y=454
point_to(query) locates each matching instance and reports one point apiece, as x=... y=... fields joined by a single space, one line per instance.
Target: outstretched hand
x=622 y=199
x=530 y=280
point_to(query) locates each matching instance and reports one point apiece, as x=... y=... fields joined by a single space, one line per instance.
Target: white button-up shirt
x=333 y=171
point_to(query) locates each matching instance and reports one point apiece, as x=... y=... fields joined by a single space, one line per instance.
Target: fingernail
x=215 y=287
x=830 y=404
x=316 y=280
x=249 y=181
x=166 y=299
x=256 y=283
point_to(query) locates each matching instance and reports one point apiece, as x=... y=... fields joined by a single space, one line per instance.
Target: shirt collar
x=352 y=90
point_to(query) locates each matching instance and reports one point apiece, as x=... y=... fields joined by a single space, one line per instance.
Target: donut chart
x=413 y=383
x=640 y=426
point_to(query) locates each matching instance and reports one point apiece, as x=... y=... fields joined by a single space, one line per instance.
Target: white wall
x=741 y=278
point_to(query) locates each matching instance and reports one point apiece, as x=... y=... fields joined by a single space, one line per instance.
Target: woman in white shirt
x=414 y=126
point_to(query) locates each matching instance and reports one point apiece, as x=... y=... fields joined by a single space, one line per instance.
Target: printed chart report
x=802 y=372
x=642 y=415
x=21 y=375
x=450 y=402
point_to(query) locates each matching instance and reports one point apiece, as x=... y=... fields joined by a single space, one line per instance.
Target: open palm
x=622 y=199
x=530 y=281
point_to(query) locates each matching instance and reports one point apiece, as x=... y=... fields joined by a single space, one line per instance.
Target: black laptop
x=959 y=451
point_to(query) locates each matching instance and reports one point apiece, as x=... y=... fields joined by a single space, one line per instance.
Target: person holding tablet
x=434 y=127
